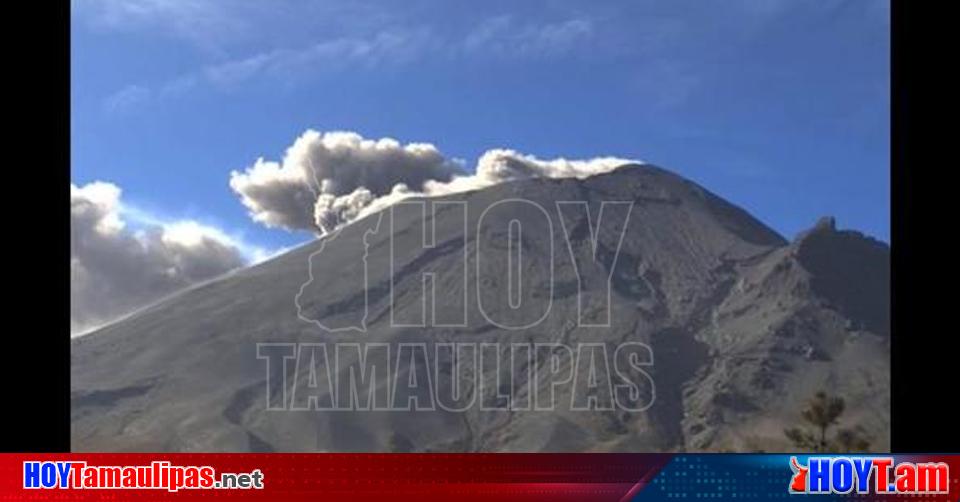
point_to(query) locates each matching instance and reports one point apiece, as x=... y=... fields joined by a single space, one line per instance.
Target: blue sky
x=781 y=107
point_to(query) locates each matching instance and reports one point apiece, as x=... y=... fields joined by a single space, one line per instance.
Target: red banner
x=467 y=476
x=292 y=477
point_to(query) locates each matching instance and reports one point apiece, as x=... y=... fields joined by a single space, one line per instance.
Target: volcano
x=737 y=328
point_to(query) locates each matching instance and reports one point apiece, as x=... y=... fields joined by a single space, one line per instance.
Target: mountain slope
x=741 y=324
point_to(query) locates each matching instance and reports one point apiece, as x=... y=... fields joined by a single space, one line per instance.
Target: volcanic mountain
x=742 y=326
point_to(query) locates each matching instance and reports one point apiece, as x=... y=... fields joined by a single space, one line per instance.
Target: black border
x=37 y=301
x=923 y=386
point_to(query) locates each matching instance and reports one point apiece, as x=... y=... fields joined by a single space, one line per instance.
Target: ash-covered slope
x=742 y=326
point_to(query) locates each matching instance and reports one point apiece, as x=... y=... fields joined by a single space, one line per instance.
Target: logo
x=76 y=475
x=861 y=475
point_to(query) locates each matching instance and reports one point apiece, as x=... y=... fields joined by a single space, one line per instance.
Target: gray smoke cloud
x=114 y=269
x=326 y=180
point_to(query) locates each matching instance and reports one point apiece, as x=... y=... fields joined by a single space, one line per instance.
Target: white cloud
x=502 y=37
x=287 y=67
x=326 y=180
x=386 y=48
x=505 y=36
x=204 y=23
x=126 y=98
x=122 y=259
